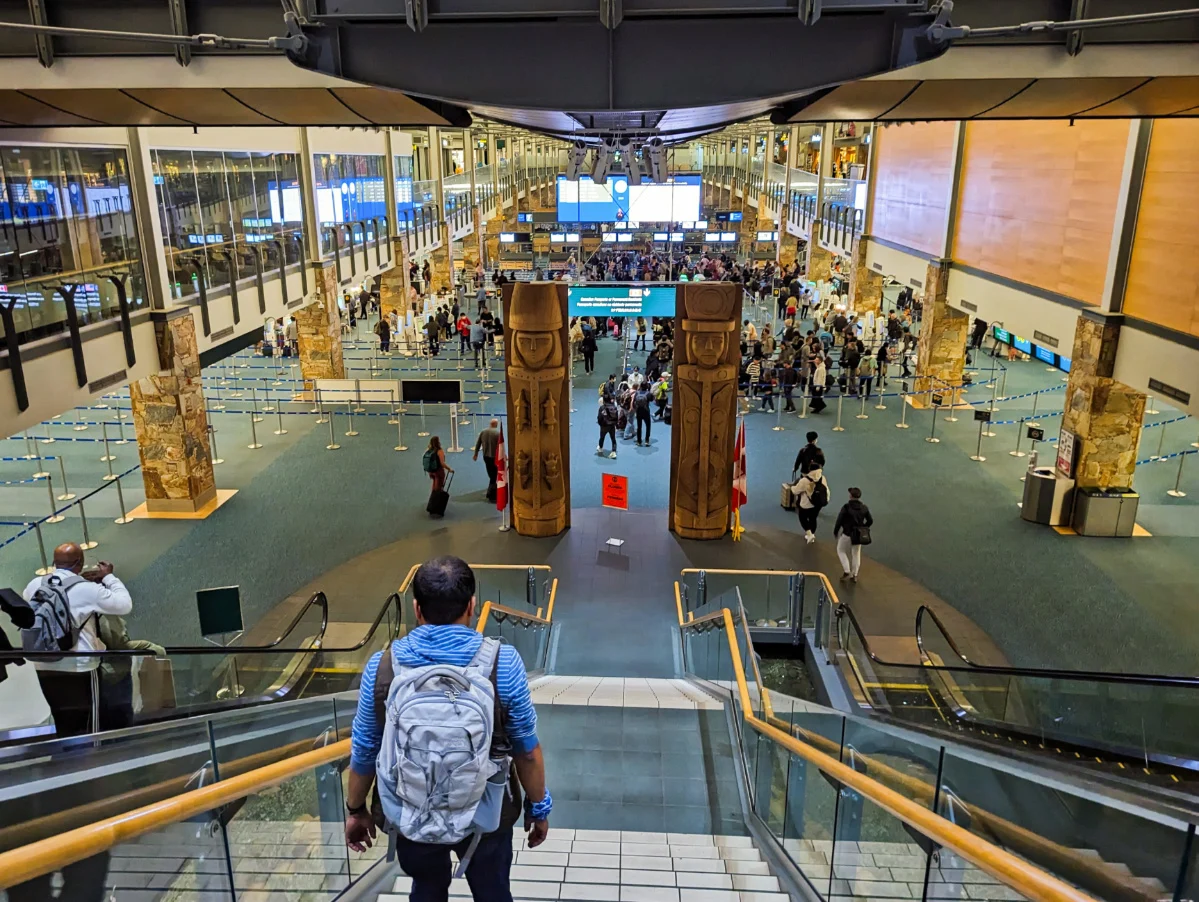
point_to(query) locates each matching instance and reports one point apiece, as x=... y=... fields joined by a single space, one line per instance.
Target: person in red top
x=463 y=326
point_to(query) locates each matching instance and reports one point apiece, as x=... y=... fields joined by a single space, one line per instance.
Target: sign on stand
x=615 y=491
x=1065 y=453
x=1036 y=433
x=982 y=416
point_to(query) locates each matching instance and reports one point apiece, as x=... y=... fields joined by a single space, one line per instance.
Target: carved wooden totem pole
x=704 y=416
x=538 y=406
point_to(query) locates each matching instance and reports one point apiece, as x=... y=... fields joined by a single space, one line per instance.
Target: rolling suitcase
x=787 y=498
x=439 y=498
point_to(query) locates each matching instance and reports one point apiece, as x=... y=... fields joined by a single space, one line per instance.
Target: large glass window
x=225 y=213
x=350 y=194
x=66 y=218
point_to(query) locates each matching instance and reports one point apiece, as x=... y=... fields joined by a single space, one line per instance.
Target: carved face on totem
x=706 y=348
x=535 y=350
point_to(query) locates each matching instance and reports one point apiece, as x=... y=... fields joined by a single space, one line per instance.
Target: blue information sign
x=622 y=299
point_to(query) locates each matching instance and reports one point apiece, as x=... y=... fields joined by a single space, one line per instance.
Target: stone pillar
x=495 y=225
x=318 y=328
x=1104 y=415
x=788 y=247
x=865 y=285
x=393 y=284
x=471 y=246
x=941 y=353
x=538 y=406
x=704 y=420
x=441 y=262
x=820 y=261
x=170 y=418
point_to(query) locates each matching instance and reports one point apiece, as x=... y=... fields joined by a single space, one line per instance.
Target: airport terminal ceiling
x=589 y=68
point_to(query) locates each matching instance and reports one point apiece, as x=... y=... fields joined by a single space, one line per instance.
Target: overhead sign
x=621 y=299
x=615 y=491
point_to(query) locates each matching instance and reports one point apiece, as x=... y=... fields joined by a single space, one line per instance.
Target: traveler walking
x=291 y=336
x=979 y=333
x=607 y=417
x=641 y=411
x=819 y=383
x=639 y=344
x=66 y=606
x=478 y=338
x=790 y=379
x=431 y=335
x=767 y=392
x=487 y=442
x=661 y=393
x=383 y=330
x=852 y=530
x=810 y=456
x=866 y=375
x=462 y=327
x=588 y=347
x=434 y=464
x=456 y=689
x=812 y=497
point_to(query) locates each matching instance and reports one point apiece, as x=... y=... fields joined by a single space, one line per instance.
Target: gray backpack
x=54 y=627
x=437 y=779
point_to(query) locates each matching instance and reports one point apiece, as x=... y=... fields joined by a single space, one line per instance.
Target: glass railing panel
x=903 y=763
x=515 y=588
x=810 y=820
x=1106 y=849
x=424 y=191
x=529 y=640
x=875 y=857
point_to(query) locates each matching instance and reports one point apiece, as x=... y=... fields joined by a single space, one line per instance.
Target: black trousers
x=787 y=397
x=489 y=464
x=429 y=867
x=606 y=431
x=588 y=361
x=69 y=696
x=807 y=518
x=643 y=417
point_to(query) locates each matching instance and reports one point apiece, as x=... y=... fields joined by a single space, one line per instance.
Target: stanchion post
x=1149 y=408
x=454 y=446
x=320 y=410
x=42 y=472
x=395 y=414
x=1160 y=442
x=87 y=544
x=863 y=415
x=55 y=516
x=29 y=455
x=1003 y=385
x=400 y=446
x=67 y=494
x=266 y=395
x=254 y=443
x=978 y=453
x=254 y=417
x=104 y=438
x=218 y=405
x=1177 y=492
x=214 y=454
x=949 y=417
x=124 y=518
x=903 y=407
x=1032 y=420
x=41 y=547
x=989 y=432
x=121 y=440
x=840 y=400
x=422 y=432
x=350 y=413
x=931 y=438
x=778 y=421
x=1019 y=431
x=332 y=446
x=279 y=419
x=358 y=408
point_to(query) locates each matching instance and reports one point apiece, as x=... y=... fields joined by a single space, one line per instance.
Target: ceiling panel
x=107 y=105
x=299 y=106
x=1164 y=96
x=957 y=98
x=204 y=106
x=856 y=100
x=385 y=107
x=21 y=109
x=1061 y=98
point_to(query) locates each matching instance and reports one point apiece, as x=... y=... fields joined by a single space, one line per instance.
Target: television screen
x=1022 y=344
x=557 y=237
x=624 y=238
x=1002 y=335
x=620 y=225
x=507 y=238
x=701 y=224
x=608 y=236
x=711 y=236
x=572 y=237
x=621 y=300
x=1063 y=364
x=768 y=236
x=524 y=217
x=616 y=200
x=661 y=236
x=735 y=216
x=728 y=236
x=676 y=236
x=1046 y=355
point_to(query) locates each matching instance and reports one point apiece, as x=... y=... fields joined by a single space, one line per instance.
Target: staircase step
x=620 y=692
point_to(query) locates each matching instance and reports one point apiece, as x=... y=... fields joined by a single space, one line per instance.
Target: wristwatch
x=361 y=809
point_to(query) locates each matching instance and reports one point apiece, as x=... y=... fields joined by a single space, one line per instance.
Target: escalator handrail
x=1025 y=878
x=318 y=599
x=56 y=852
x=1038 y=672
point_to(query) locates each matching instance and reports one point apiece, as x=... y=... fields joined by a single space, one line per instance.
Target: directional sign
x=615 y=491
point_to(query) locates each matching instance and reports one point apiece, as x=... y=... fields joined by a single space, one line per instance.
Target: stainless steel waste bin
x=1105 y=512
x=1046 y=497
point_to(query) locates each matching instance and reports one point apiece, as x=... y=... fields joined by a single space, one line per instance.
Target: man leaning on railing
x=430 y=734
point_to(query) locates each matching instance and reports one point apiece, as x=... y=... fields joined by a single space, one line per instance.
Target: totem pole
x=538 y=406
x=704 y=419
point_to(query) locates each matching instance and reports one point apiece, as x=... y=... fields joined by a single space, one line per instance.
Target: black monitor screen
x=431 y=391
x=219 y=610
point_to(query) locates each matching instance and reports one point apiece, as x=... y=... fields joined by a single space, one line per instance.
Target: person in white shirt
x=67 y=684
x=291 y=334
x=805 y=506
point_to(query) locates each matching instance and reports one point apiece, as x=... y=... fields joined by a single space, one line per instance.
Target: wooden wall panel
x=1038 y=201
x=1163 y=274
x=913 y=184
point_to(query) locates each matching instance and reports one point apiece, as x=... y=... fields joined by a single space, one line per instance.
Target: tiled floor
x=620 y=692
x=628 y=866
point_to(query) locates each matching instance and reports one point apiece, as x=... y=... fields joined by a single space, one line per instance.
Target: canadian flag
x=740 y=492
x=501 y=475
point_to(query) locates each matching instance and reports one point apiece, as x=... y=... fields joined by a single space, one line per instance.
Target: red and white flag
x=740 y=491
x=501 y=475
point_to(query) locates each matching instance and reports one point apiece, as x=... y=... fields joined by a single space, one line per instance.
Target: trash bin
x=1046 y=497
x=1105 y=512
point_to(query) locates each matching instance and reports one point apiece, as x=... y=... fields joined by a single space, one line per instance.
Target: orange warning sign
x=616 y=491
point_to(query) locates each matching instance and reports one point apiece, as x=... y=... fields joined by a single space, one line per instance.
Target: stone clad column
x=704 y=413
x=941 y=352
x=171 y=421
x=820 y=261
x=865 y=285
x=535 y=349
x=441 y=262
x=788 y=248
x=318 y=328
x=393 y=284
x=1104 y=415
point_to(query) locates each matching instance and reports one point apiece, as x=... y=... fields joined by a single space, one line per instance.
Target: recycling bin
x=1046 y=497
x=1105 y=512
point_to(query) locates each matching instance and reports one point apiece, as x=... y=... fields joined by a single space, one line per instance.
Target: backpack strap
x=384 y=676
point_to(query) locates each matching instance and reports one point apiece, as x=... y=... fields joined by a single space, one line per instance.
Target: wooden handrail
x=55 y=852
x=1023 y=877
x=549 y=613
x=821 y=576
x=490 y=606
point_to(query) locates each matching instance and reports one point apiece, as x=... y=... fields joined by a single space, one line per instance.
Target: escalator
x=1135 y=729
x=194 y=680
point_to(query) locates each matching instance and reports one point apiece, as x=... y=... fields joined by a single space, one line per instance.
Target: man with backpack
x=608 y=418
x=812 y=497
x=641 y=410
x=446 y=731
x=66 y=606
x=809 y=457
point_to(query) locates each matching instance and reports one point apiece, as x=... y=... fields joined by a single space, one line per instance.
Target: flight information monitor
x=621 y=299
x=617 y=200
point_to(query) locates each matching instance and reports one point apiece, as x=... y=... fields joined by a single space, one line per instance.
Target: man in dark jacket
x=607 y=418
x=809 y=457
x=852 y=531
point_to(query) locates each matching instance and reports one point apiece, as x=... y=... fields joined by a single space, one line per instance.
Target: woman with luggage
x=437 y=469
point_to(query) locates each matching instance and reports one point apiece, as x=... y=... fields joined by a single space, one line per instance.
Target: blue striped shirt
x=450 y=644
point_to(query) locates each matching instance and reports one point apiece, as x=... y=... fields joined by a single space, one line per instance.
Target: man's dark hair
x=812 y=436
x=443 y=587
x=855 y=493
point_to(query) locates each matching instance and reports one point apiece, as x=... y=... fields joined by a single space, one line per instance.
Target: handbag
x=862 y=535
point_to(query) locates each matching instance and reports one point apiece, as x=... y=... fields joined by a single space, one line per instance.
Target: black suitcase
x=439 y=498
x=666 y=415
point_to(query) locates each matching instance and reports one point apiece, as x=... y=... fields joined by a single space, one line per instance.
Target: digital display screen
x=572 y=237
x=711 y=236
x=701 y=223
x=557 y=237
x=618 y=201
x=676 y=236
x=620 y=225
x=608 y=236
x=1002 y=335
x=661 y=236
x=1063 y=364
x=735 y=216
x=219 y=610
x=1046 y=355
x=1022 y=344
x=507 y=238
x=621 y=300
x=624 y=238
x=434 y=391
x=728 y=236
x=524 y=217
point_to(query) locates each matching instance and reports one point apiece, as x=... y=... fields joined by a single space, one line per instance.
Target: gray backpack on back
x=437 y=780
x=53 y=627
